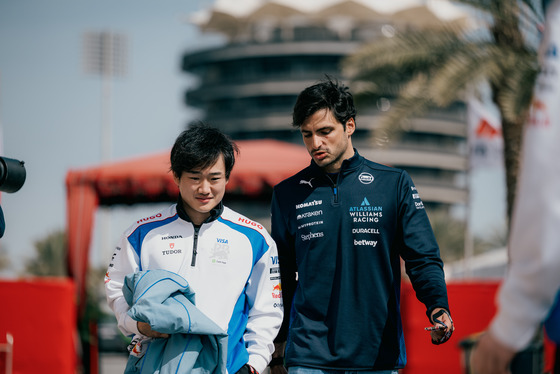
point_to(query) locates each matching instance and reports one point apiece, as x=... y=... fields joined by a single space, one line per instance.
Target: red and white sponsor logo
x=539 y=116
x=248 y=222
x=149 y=218
x=277 y=291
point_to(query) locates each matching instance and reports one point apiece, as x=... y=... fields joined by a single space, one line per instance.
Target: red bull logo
x=277 y=291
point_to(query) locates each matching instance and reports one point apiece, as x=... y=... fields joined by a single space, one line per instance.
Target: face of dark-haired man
x=202 y=189
x=327 y=140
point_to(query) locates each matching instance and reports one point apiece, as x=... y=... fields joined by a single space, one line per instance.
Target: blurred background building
x=274 y=49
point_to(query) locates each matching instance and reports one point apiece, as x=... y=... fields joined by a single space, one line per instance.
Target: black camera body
x=12 y=174
x=12 y=177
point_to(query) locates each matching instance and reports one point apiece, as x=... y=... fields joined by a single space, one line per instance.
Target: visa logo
x=224 y=241
x=274 y=260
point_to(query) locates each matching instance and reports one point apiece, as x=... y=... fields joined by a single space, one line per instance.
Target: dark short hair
x=329 y=94
x=199 y=147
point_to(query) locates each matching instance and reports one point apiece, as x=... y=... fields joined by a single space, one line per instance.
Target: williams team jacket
x=230 y=263
x=344 y=238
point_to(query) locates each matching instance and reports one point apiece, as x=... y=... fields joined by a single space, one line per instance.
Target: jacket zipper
x=334 y=184
x=195 y=245
x=335 y=191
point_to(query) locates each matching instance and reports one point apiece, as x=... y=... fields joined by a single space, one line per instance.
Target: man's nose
x=316 y=141
x=204 y=187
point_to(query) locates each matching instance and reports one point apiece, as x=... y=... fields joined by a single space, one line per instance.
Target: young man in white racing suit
x=229 y=261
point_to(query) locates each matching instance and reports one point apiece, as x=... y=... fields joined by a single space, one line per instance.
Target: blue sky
x=50 y=109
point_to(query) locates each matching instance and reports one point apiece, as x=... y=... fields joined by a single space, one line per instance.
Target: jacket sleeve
x=266 y=310
x=125 y=261
x=533 y=279
x=286 y=256
x=419 y=248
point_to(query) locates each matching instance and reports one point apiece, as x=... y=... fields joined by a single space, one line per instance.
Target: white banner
x=485 y=136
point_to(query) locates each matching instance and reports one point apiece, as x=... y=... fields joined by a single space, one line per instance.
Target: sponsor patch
x=365 y=178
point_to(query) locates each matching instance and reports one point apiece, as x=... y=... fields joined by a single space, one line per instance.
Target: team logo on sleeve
x=415 y=196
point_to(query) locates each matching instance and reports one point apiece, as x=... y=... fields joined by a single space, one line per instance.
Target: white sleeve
x=125 y=261
x=533 y=278
x=265 y=316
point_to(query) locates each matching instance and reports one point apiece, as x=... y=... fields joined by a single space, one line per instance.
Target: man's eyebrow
x=199 y=172
x=325 y=127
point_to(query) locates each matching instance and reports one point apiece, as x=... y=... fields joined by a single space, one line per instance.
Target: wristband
x=449 y=331
x=277 y=361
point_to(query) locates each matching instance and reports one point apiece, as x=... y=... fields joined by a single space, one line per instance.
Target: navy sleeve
x=287 y=258
x=419 y=249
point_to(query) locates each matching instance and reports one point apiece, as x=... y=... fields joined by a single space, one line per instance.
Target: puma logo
x=306 y=182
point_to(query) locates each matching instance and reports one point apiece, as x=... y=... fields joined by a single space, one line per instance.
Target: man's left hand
x=490 y=356
x=441 y=318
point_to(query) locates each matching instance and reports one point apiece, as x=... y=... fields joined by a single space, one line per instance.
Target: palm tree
x=426 y=68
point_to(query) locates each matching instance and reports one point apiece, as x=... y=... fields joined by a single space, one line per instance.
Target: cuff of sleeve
x=131 y=325
x=258 y=362
x=511 y=332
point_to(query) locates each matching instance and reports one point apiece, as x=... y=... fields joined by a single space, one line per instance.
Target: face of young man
x=201 y=190
x=327 y=141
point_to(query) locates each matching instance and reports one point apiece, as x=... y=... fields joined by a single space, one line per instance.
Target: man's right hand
x=278 y=355
x=278 y=369
x=145 y=329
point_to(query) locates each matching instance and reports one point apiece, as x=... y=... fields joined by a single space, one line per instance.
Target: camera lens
x=12 y=174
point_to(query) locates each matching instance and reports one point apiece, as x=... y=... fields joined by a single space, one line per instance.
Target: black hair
x=329 y=94
x=199 y=147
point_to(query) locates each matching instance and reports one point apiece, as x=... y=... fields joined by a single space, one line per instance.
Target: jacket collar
x=214 y=213
x=347 y=165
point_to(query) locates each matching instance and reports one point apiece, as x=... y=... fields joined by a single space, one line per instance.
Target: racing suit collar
x=214 y=213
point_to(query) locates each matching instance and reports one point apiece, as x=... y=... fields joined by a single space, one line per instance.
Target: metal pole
x=468 y=251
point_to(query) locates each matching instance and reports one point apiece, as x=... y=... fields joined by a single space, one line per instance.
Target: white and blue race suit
x=229 y=261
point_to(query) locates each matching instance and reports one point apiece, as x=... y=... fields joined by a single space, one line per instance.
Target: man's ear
x=176 y=178
x=350 y=126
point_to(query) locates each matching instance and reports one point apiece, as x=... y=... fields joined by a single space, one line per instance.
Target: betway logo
x=371 y=243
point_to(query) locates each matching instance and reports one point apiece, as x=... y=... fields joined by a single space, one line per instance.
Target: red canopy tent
x=260 y=165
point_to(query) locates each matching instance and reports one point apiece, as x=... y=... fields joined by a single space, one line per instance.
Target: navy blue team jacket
x=345 y=235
